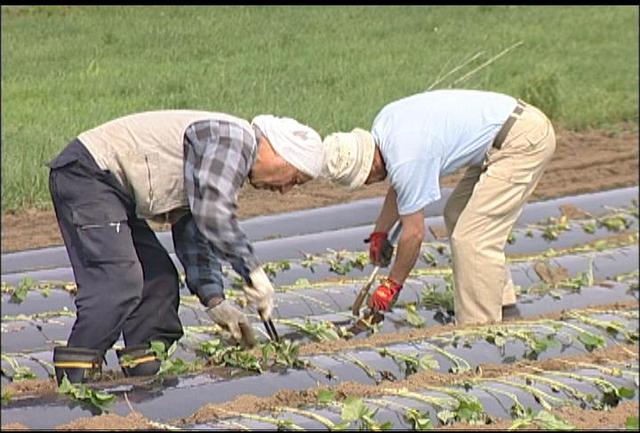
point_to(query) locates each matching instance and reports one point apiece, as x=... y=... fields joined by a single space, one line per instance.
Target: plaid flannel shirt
x=218 y=157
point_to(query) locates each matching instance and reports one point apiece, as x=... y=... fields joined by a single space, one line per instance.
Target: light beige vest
x=145 y=153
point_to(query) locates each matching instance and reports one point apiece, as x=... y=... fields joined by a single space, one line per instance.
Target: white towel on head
x=298 y=144
x=348 y=157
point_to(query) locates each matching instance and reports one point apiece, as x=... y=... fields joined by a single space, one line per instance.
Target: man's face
x=282 y=180
x=273 y=172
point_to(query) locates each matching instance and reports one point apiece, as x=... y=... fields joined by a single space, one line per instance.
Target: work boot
x=77 y=363
x=138 y=360
x=511 y=312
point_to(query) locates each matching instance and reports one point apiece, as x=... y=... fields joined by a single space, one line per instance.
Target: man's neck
x=378 y=168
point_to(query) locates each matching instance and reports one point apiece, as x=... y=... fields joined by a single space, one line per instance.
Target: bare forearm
x=408 y=247
x=388 y=213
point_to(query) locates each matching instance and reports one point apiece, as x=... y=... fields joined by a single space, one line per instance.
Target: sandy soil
x=591 y=160
x=14 y=426
x=133 y=421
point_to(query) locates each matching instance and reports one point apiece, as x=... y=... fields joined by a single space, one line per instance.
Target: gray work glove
x=229 y=317
x=260 y=293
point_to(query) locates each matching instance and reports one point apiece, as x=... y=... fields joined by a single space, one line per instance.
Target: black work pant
x=126 y=281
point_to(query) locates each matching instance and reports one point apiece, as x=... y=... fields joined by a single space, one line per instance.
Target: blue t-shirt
x=431 y=134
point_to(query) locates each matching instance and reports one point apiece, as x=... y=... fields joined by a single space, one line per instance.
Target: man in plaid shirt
x=181 y=167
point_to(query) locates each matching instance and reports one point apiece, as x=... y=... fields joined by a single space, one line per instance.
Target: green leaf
x=352 y=409
x=539 y=345
x=429 y=259
x=614 y=223
x=499 y=341
x=341 y=426
x=412 y=316
x=286 y=353
x=428 y=363
x=518 y=411
x=210 y=347
x=23 y=373
x=80 y=392
x=20 y=293
x=410 y=363
x=632 y=423
x=589 y=228
x=591 y=341
x=270 y=270
x=267 y=350
x=308 y=262
x=174 y=367
x=320 y=331
x=238 y=283
x=430 y=296
x=446 y=416
x=600 y=245
x=325 y=396
x=284 y=265
x=419 y=420
x=555 y=294
x=376 y=426
x=496 y=340
x=469 y=410
x=626 y=392
x=101 y=399
x=66 y=387
x=158 y=349
x=230 y=356
x=549 y=234
x=6 y=397
x=550 y=421
x=360 y=261
x=302 y=282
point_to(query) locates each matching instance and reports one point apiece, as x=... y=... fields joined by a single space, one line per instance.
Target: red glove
x=385 y=295
x=380 y=249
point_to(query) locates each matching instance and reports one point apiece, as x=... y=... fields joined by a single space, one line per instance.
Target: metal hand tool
x=271 y=330
x=371 y=316
x=362 y=294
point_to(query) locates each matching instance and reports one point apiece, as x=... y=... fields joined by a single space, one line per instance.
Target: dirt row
x=585 y=161
x=582 y=419
x=379 y=340
x=44 y=387
x=614 y=418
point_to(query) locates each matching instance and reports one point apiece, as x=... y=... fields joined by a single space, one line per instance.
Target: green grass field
x=66 y=69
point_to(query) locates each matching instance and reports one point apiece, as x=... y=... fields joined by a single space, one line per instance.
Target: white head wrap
x=349 y=157
x=298 y=144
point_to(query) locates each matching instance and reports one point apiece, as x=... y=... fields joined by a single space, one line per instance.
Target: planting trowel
x=370 y=317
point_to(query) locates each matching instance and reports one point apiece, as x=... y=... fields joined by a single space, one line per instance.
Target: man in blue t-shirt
x=505 y=143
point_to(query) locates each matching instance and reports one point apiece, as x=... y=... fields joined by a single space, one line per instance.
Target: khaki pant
x=482 y=210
